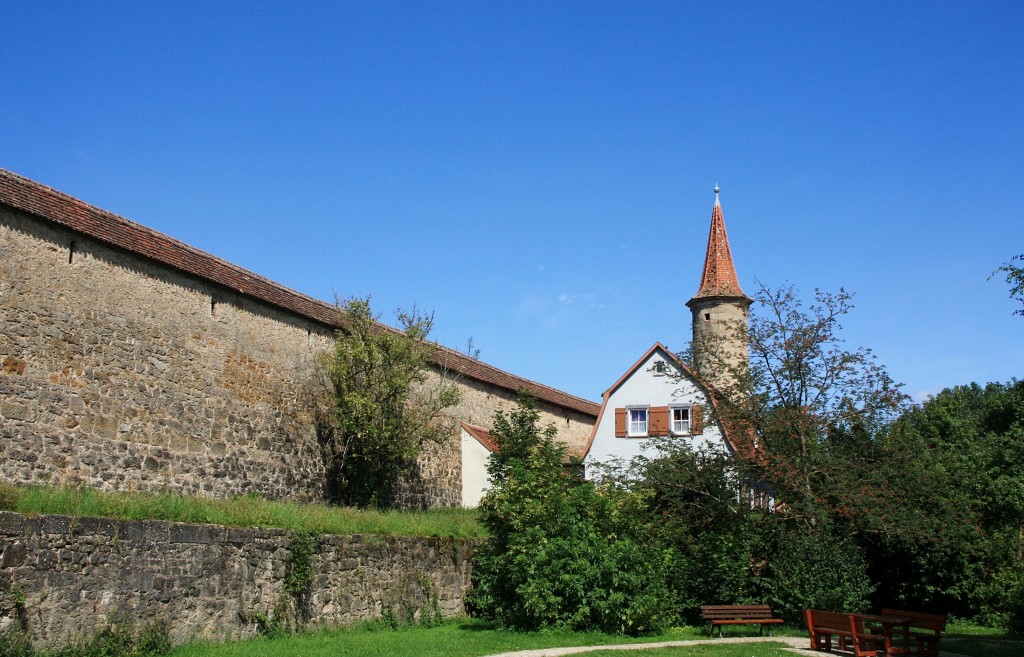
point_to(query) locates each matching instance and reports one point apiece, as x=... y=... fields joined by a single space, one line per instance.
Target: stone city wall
x=65 y=578
x=121 y=373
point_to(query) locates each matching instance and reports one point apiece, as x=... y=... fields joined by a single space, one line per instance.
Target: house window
x=637 y=421
x=680 y=420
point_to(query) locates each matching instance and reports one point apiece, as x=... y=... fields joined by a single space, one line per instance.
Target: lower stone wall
x=65 y=578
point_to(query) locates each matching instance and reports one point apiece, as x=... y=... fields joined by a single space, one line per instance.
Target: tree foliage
x=877 y=502
x=561 y=554
x=1015 y=279
x=809 y=405
x=972 y=440
x=385 y=404
x=726 y=551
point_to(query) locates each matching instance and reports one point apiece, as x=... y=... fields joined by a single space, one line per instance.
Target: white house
x=658 y=398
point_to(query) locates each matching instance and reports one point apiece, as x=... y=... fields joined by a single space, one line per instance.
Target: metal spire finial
x=716 y=193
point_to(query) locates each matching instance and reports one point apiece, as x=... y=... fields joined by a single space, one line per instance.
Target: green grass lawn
x=471 y=638
x=463 y=638
x=976 y=641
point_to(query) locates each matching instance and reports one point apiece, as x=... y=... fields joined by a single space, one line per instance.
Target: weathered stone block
x=46 y=559
x=239 y=536
x=128 y=530
x=14 y=410
x=190 y=534
x=12 y=554
x=55 y=524
x=11 y=524
x=97 y=526
x=157 y=531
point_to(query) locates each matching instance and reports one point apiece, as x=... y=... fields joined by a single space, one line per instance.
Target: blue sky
x=539 y=174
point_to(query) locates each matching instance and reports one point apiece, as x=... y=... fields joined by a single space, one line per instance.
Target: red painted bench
x=925 y=629
x=823 y=625
x=719 y=615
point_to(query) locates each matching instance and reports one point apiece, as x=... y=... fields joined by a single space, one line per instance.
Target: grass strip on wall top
x=245 y=511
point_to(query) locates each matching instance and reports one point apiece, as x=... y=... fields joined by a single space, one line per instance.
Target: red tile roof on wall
x=51 y=205
x=719 y=277
x=483 y=436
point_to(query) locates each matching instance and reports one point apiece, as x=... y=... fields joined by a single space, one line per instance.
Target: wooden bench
x=877 y=635
x=823 y=625
x=720 y=615
x=925 y=629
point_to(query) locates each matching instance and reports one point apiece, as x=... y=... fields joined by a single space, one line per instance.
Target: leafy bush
x=559 y=556
x=383 y=404
x=1015 y=611
x=1004 y=594
x=816 y=570
x=973 y=440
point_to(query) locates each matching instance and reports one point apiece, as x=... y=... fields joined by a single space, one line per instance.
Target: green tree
x=386 y=401
x=806 y=411
x=972 y=440
x=1015 y=279
x=560 y=553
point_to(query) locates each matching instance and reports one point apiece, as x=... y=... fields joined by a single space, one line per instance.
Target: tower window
x=707 y=316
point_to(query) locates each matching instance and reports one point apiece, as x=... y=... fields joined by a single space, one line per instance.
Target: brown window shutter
x=696 y=419
x=620 y=422
x=658 y=421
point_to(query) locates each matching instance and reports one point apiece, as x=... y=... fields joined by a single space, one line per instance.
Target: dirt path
x=796 y=645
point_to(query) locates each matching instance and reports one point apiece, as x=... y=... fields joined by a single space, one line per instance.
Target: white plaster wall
x=475 y=481
x=648 y=387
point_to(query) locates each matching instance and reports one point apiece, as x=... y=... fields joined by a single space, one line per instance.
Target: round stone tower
x=719 y=311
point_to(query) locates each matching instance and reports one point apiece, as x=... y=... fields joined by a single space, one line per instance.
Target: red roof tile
x=719 y=277
x=51 y=205
x=482 y=436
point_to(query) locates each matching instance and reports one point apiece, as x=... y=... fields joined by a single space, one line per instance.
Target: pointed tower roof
x=719 y=278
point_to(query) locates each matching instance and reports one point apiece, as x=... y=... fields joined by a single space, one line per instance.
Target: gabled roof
x=670 y=357
x=50 y=205
x=719 y=276
x=482 y=436
x=657 y=346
